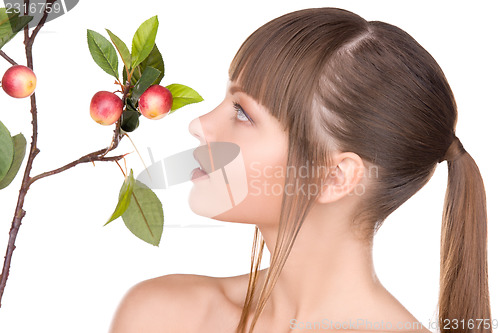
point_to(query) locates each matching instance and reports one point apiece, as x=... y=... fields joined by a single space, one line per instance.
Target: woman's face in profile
x=250 y=188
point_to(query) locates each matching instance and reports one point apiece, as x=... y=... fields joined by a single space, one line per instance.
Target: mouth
x=196 y=155
x=200 y=172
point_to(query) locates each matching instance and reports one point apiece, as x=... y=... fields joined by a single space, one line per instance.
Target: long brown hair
x=337 y=81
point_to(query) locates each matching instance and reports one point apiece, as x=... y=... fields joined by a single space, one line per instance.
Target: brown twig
x=27 y=180
x=117 y=136
x=92 y=157
x=6 y=57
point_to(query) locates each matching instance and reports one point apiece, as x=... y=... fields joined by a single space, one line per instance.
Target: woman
x=369 y=114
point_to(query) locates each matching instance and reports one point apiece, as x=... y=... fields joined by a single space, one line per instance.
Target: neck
x=329 y=271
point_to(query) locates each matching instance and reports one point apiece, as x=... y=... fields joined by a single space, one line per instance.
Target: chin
x=220 y=207
x=213 y=197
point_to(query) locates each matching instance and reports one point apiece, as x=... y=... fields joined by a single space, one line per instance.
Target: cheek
x=265 y=177
x=265 y=192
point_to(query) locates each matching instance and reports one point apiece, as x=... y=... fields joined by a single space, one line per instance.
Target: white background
x=69 y=272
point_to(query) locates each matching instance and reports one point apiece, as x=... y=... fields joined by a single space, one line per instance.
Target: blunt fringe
x=338 y=82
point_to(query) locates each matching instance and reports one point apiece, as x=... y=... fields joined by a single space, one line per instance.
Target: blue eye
x=240 y=114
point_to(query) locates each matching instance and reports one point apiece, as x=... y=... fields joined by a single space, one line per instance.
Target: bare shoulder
x=177 y=303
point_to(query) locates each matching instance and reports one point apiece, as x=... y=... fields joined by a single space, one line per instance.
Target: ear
x=347 y=173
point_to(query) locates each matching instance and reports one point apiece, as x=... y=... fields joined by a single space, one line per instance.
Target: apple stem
x=129 y=76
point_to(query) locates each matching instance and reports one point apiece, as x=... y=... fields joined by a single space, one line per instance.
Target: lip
x=196 y=157
x=198 y=174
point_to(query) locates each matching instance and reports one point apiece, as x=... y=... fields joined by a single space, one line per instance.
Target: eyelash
x=237 y=108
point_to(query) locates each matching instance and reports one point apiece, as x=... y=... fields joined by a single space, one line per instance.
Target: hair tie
x=455 y=150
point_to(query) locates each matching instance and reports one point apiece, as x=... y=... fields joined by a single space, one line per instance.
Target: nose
x=196 y=130
x=206 y=127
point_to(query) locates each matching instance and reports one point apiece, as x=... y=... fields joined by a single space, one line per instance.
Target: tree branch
x=92 y=157
x=27 y=180
x=19 y=212
x=48 y=5
x=6 y=57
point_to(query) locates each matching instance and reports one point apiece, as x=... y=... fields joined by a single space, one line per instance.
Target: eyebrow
x=234 y=89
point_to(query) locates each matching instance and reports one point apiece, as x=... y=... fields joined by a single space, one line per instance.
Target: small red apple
x=19 y=81
x=155 y=102
x=106 y=108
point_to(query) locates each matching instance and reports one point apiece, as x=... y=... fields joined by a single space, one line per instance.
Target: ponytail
x=464 y=304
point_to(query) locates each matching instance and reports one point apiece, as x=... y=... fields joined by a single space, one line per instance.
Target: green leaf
x=19 y=142
x=130 y=105
x=147 y=78
x=182 y=96
x=154 y=60
x=103 y=53
x=122 y=49
x=6 y=150
x=144 y=216
x=130 y=120
x=144 y=40
x=124 y=197
x=10 y=24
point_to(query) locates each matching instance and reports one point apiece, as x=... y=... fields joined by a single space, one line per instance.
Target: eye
x=240 y=114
